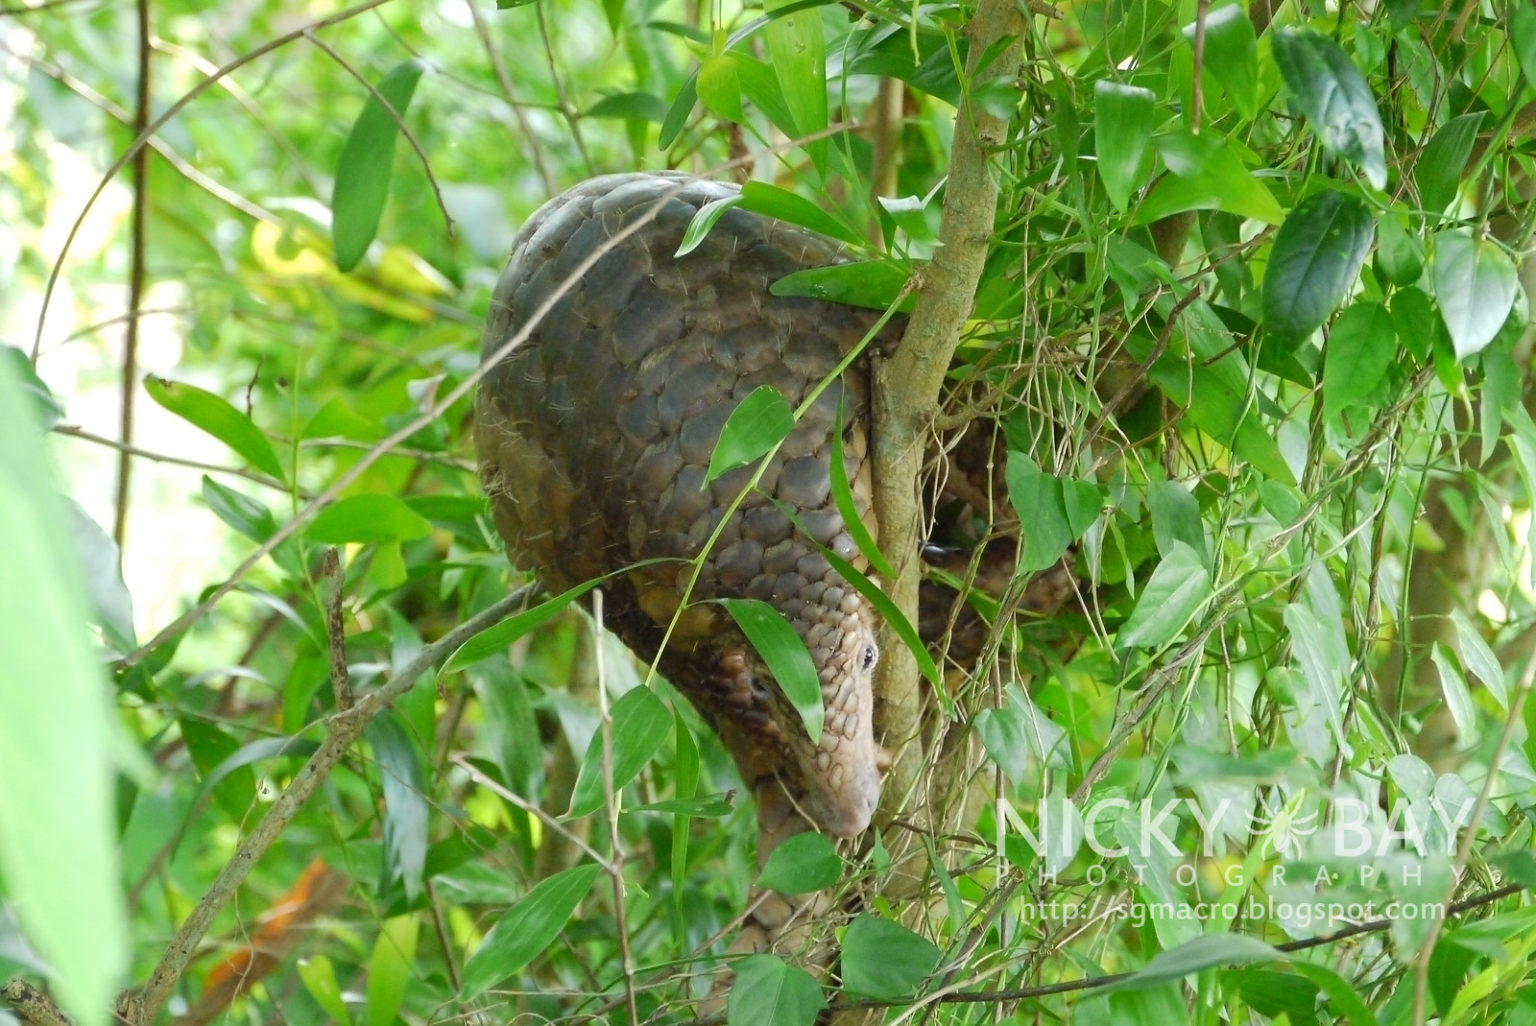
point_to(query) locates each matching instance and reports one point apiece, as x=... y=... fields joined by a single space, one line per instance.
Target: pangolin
x=595 y=433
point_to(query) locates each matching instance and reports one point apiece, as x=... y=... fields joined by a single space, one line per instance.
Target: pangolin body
x=594 y=437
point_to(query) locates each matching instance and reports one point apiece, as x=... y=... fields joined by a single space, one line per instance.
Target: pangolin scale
x=595 y=433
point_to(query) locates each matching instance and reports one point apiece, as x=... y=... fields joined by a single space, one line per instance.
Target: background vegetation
x=1249 y=324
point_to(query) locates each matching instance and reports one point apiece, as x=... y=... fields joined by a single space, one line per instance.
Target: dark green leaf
x=494 y=640
x=804 y=863
x=786 y=656
x=1399 y=255
x=375 y=517
x=208 y=747
x=1330 y=91
x=702 y=222
x=526 y=930
x=1475 y=287
x=1314 y=263
x=1362 y=347
x=1004 y=734
x=767 y=992
x=759 y=423
x=889 y=612
x=677 y=114
x=1124 y=117
x=1176 y=518
x=641 y=723
x=406 y=810
x=212 y=414
x=366 y=164
x=1055 y=511
x=842 y=497
x=882 y=959
x=1438 y=172
x=1177 y=589
x=1522 y=33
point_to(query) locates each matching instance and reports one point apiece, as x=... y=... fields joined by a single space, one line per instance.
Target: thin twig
x=531 y=143
x=343 y=729
x=335 y=629
x=611 y=810
x=160 y=457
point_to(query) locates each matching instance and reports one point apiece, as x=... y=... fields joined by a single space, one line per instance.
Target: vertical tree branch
x=907 y=383
x=136 y=274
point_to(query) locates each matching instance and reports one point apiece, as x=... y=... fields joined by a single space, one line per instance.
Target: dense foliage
x=1251 y=347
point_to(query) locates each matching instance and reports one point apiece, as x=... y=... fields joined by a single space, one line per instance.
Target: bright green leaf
x=1362 y=347
x=58 y=847
x=366 y=164
x=882 y=959
x=762 y=198
x=703 y=220
x=786 y=655
x=719 y=87
x=759 y=422
x=526 y=930
x=1207 y=175
x=797 y=51
x=1175 y=592
x=374 y=517
x=214 y=415
x=875 y=284
x=1440 y=167
x=767 y=992
x=389 y=969
x=1479 y=658
x=641 y=723
x=1124 y=117
x=319 y=978
x=804 y=863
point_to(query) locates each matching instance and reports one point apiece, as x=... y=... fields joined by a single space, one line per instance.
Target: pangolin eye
x=867 y=659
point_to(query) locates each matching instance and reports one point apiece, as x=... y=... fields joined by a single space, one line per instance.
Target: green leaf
x=767 y=992
x=46 y=408
x=217 y=417
x=368 y=518
x=804 y=863
x=797 y=50
x=629 y=107
x=1176 y=518
x=100 y=564
x=529 y=927
x=1175 y=592
x=1330 y=91
x=366 y=164
x=641 y=723
x=1399 y=255
x=1522 y=33
x=1124 y=117
x=1314 y=263
x=1231 y=55
x=1207 y=175
x=762 y=198
x=1005 y=736
x=1054 y=511
x=58 y=845
x=882 y=959
x=1479 y=658
x=1341 y=994
x=1204 y=952
x=319 y=979
x=493 y=641
x=389 y=969
x=406 y=810
x=677 y=115
x=241 y=512
x=891 y=614
x=875 y=284
x=1438 y=172
x=1361 y=348
x=759 y=422
x=703 y=220
x=786 y=655
x=1475 y=287
x=209 y=748
x=1222 y=412
x=719 y=87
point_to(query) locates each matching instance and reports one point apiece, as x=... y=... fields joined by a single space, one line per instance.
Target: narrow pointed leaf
x=1440 y=167
x=641 y=723
x=703 y=221
x=1124 y=117
x=786 y=655
x=213 y=414
x=761 y=421
x=526 y=930
x=366 y=164
x=1175 y=592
